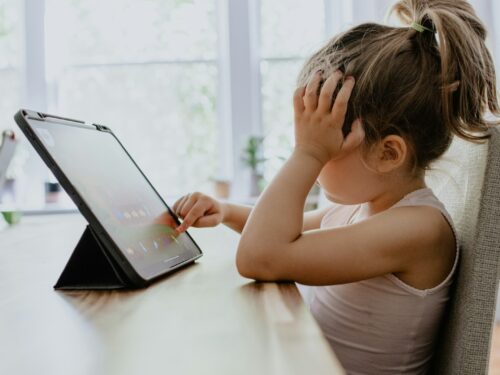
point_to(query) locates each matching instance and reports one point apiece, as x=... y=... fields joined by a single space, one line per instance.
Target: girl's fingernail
x=350 y=78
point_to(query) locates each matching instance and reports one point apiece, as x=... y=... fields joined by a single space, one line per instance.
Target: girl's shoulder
x=435 y=260
x=425 y=197
x=417 y=229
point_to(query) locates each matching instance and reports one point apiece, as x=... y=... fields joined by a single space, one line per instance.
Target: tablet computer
x=121 y=206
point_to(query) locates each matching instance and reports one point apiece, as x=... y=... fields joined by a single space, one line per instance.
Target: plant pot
x=255 y=184
x=222 y=188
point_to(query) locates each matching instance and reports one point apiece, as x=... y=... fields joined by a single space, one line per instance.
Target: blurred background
x=199 y=91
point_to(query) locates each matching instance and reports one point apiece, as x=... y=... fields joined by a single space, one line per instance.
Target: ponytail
x=468 y=79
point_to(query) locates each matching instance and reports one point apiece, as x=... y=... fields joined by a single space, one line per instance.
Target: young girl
x=375 y=107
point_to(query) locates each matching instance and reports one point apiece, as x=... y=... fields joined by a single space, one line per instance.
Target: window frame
x=239 y=99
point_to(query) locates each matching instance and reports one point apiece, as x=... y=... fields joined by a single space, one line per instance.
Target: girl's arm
x=235 y=216
x=274 y=247
x=201 y=210
x=391 y=242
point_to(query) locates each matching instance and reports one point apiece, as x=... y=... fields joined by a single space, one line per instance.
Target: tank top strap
x=420 y=197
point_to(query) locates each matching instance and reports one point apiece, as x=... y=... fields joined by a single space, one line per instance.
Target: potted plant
x=253 y=158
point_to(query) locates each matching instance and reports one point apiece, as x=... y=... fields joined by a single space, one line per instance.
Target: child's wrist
x=313 y=152
x=224 y=210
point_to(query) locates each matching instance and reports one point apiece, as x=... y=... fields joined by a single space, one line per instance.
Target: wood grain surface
x=204 y=319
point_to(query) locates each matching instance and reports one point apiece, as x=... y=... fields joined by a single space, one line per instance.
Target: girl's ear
x=391 y=153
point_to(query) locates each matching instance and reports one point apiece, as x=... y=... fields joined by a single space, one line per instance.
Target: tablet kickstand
x=89 y=267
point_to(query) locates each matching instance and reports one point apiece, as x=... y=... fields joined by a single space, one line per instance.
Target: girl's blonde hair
x=425 y=86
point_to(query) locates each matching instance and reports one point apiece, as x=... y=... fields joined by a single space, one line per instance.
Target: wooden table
x=204 y=319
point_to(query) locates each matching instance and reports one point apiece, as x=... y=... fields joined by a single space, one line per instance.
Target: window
x=146 y=69
x=11 y=83
x=183 y=83
x=10 y=60
x=285 y=44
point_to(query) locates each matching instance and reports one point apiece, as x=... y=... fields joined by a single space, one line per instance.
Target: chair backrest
x=467 y=181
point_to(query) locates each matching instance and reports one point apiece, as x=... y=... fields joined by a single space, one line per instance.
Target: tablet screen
x=119 y=196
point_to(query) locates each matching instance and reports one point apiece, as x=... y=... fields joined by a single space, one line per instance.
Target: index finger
x=177 y=202
x=326 y=94
x=311 y=93
x=194 y=214
x=298 y=101
x=339 y=108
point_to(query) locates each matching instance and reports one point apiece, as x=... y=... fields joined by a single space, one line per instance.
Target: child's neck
x=389 y=197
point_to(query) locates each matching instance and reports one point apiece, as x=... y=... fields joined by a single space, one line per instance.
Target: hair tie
x=420 y=28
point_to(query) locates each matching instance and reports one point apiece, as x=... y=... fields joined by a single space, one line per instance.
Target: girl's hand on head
x=318 y=124
x=198 y=210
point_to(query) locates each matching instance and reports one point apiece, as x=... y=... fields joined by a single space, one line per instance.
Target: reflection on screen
x=119 y=196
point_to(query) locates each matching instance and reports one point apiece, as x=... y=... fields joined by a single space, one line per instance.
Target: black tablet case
x=90 y=268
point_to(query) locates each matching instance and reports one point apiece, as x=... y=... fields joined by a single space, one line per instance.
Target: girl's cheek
x=342 y=179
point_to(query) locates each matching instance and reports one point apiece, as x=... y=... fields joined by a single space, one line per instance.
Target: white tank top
x=382 y=325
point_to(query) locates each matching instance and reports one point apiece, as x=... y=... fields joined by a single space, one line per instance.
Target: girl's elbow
x=249 y=265
x=245 y=262
x=245 y=269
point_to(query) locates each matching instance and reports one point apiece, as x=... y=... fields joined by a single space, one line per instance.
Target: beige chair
x=467 y=181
